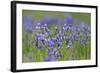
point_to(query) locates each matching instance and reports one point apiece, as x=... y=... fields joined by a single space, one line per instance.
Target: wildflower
x=68 y=20
x=51 y=43
x=50 y=58
x=28 y=23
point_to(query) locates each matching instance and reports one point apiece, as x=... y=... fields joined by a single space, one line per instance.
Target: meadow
x=55 y=36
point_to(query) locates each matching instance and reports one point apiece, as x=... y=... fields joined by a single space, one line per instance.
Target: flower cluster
x=52 y=31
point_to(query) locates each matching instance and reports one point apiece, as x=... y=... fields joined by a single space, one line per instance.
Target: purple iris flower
x=65 y=28
x=45 y=25
x=68 y=20
x=55 y=38
x=46 y=35
x=38 y=25
x=28 y=23
x=61 y=33
x=83 y=26
x=50 y=52
x=59 y=43
x=38 y=36
x=43 y=40
x=55 y=49
x=36 y=42
x=51 y=20
x=51 y=43
x=76 y=36
x=50 y=58
x=38 y=45
x=67 y=38
x=85 y=38
x=74 y=28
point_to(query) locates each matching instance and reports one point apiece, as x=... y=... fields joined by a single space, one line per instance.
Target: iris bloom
x=68 y=20
x=28 y=23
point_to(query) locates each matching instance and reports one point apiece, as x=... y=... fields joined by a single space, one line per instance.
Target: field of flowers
x=55 y=36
